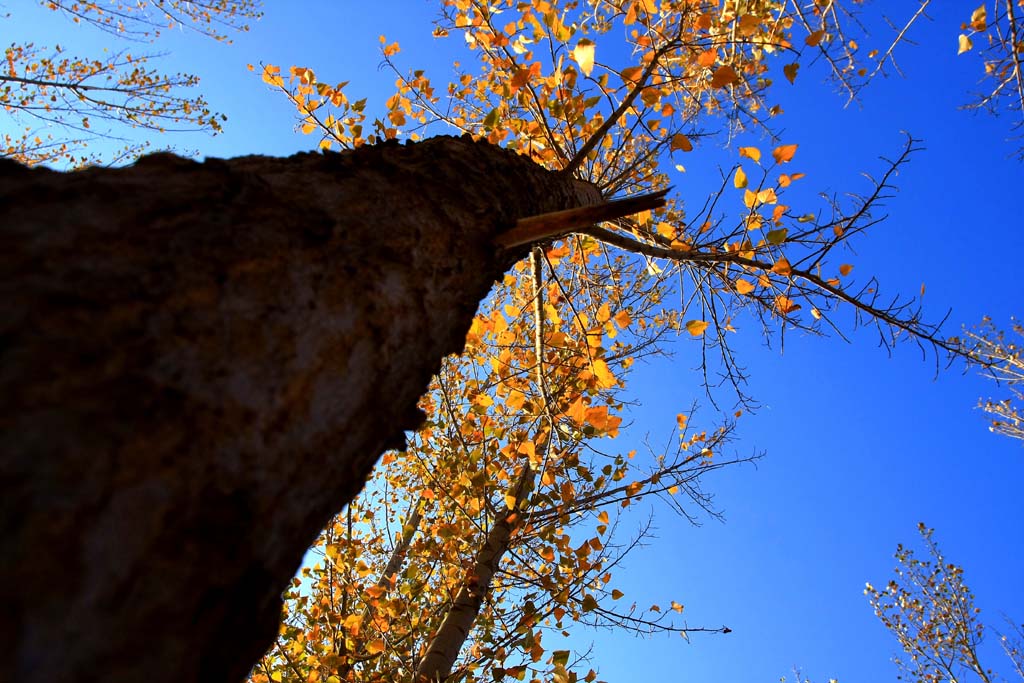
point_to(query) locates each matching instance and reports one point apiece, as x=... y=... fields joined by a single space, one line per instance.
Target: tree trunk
x=200 y=365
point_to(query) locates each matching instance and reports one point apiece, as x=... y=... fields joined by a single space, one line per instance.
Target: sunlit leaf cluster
x=1002 y=359
x=515 y=477
x=932 y=613
x=498 y=526
x=59 y=102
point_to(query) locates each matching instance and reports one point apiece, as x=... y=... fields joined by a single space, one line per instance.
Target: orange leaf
x=696 y=327
x=782 y=267
x=598 y=417
x=631 y=74
x=740 y=179
x=789 y=71
x=744 y=286
x=783 y=153
x=845 y=269
x=752 y=153
x=375 y=646
x=682 y=142
x=815 y=38
x=785 y=304
x=723 y=76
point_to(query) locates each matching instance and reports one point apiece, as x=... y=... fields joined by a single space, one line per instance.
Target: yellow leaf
x=276 y=676
x=622 y=319
x=752 y=153
x=603 y=517
x=352 y=623
x=375 y=646
x=845 y=269
x=783 y=153
x=723 y=76
x=965 y=44
x=816 y=313
x=510 y=501
x=979 y=19
x=744 y=286
x=272 y=75
x=740 y=179
x=577 y=411
x=677 y=607
x=603 y=374
x=650 y=6
x=696 y=327
x=583 y=53
x=515 y=400
x=680 y=141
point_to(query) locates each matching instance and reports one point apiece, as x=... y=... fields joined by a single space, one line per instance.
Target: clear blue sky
x=860 y=445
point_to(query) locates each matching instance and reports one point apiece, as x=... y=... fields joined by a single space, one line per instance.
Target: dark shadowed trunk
x=200 y=365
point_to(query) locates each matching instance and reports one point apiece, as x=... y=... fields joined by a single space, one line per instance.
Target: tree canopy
x=498 y=526
x=499 y=521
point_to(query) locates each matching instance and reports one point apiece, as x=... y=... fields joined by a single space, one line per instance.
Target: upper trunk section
x=201 y=362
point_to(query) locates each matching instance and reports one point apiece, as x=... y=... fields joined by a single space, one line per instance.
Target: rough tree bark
x=200 y=364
